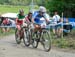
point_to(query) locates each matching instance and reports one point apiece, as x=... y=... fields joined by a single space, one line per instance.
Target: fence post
x=62 y=24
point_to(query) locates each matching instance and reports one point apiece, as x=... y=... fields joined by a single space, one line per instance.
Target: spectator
x=5 y=22
x=67 y=26
x=56 y=20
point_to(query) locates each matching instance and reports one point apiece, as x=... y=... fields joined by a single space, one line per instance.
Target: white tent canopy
x=10 y=15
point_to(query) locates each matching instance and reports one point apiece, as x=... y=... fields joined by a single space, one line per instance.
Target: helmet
x=42 y=9
x=21 y=10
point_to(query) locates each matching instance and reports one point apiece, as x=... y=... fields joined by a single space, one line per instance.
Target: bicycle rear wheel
x=35 y=40
x=46 y=40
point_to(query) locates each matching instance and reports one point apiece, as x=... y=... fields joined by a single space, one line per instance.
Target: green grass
x=12 y=31
x=67 y=42
x=64 y=43
x=14 y=9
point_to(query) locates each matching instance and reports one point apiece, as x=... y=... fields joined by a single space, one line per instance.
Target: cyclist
x=20 y=21
x=29 y=17
x=40 y=18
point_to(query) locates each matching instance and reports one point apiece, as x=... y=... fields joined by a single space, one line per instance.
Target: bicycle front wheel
x=17 y=37
x=26 y=38
x=46 y=40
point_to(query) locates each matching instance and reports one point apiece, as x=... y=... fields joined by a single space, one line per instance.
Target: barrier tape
x=47 y=25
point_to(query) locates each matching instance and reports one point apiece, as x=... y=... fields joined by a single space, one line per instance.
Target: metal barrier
x=46 y=26
x=7 y=26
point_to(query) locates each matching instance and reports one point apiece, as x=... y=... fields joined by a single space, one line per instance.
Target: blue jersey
x=37 y=16
x=39 y=19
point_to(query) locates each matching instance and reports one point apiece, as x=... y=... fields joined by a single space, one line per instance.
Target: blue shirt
x=37 y=17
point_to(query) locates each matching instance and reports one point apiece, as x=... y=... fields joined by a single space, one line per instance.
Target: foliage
x=66 y=6
x=20 y=2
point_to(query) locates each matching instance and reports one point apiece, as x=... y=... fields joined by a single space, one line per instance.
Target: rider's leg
x=18 y=27
x=22 y=30
x=19 y=30
x=36 y=27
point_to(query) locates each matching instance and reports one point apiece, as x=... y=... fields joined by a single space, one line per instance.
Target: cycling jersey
x=20 y=16
x=28 y=18
x=19 y=22
x=45 y=15
x=37 y=17
x=20 y=19
x=40 y=20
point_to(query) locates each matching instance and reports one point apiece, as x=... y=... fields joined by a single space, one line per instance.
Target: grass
x=67 y=42
x=14 y=9
x=12 y=31
x=64 y=43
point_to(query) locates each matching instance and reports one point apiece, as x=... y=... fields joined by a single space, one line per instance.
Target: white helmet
x=42 y=9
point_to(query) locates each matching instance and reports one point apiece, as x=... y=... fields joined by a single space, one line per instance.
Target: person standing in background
x=56 y=20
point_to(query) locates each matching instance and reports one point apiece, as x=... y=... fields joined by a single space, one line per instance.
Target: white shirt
x=56 y=18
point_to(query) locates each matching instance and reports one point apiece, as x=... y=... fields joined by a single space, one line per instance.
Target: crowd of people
x=40 y=19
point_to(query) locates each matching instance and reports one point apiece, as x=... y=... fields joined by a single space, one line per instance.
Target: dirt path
x=9 y=48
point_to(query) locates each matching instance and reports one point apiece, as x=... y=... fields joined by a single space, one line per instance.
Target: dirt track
x=9 y=48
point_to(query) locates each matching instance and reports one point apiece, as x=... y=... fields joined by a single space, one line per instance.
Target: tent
x=10 y=15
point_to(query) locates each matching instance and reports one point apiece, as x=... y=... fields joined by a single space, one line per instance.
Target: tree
x=66 y=6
